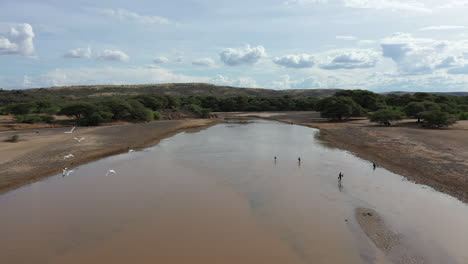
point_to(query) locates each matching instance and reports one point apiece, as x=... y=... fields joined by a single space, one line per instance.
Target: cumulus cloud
x=246 y=82
x=18 y=40
x=207 y=62
x=441 y=27
x=160 y=60
x=459 y=70
x=113 y=55
x=108 y=75
x=246 y=55
x=78 y=53
x=346 y=37
x=126 y=15
x=350 y=59
x=421 y=55
x=305 y=2
x=295 y=61
x=395 y=5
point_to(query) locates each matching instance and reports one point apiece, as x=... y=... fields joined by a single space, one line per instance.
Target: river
x=218 y=196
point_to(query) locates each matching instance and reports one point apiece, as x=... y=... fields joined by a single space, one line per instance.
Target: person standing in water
x=374 y=165
x=340 y=176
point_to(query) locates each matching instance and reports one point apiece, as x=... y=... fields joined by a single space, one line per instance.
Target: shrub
x=157 y=115
x=463 y=116
x=21 y=108
x=138 y=112
x=385 y=116
x=198 y=110
x=31 y=119
x=339 y=107
x=437 y=118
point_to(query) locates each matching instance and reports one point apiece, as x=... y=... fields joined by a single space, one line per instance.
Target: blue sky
x=380 y=45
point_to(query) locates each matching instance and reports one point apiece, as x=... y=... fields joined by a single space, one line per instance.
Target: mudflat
x=434 y=157
x=40 y=153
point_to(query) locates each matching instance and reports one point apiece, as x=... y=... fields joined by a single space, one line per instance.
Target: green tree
x=139 y=112
x=21 y=108
x=119 y=108
x=78 y=110
x=437 y=119
x=414 y=109
x=385 y=116
x=339 y=108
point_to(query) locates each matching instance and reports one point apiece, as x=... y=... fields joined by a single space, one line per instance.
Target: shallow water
x=217 y=196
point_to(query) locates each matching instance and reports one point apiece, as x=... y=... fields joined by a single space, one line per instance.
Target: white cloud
x=208 y=62
x=246 y=55
x=108 y=75
x=305 y=2
x=459 y=70
x=18 y=40
x=160 y=60
x=245 y=82
x=346 y=37
x=113 y=55
x=366 y=42
x=295 y=61
x=395 y=5
x=422 y=55
x=350 y=59
x=442 y=27
x=78 y=53
x=126 y=15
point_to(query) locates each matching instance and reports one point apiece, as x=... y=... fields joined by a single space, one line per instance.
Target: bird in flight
x=68 y=156
x=110 y=171
x=130 y=150
x=71 y=131
x=79 y=139
x=66 y=172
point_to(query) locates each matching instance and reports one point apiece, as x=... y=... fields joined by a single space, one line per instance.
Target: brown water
x=217 y=196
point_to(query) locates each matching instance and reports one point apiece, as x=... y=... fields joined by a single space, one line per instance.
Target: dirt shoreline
x=39 y=153
x=434 y=157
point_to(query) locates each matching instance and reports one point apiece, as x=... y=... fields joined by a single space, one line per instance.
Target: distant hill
x=90 y=93
x=71 y=93
x=443 y=93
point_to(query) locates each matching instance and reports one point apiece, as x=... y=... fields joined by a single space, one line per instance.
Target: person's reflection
x=340 y=187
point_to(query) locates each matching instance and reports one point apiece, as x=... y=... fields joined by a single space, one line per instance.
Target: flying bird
x=66 y=172
x=71 y=131
x=68 y=156
x=79 y=139
x=110 y=171
x=130 y=150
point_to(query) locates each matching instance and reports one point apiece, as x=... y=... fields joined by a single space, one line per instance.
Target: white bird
x=69 y=132
x=68 y=156
x=79 y=139
x=64 y=171
x=67 y=172
x=110 y=171
x=130 y=150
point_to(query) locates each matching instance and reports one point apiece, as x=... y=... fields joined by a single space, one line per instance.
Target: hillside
x=71 y=93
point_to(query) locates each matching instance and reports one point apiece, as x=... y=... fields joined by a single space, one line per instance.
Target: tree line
x=431 y=110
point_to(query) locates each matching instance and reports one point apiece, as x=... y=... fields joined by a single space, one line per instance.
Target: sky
x=379 y=45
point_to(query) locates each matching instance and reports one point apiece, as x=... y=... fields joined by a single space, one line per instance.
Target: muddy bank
x=40 y=153
x=434 y=157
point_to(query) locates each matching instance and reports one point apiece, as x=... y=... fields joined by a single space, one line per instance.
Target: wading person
x=340 y=176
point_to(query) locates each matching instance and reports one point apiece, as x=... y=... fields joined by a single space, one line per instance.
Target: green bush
x=385 y=116
x=198 y=110
x=157 y=115
x=31 y=119
x=463 y=116
x=139 y=112
x=437 y=119
x=21 y=108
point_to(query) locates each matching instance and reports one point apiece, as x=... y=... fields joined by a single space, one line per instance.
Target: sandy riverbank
x=434 y=157
x=39 y=153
